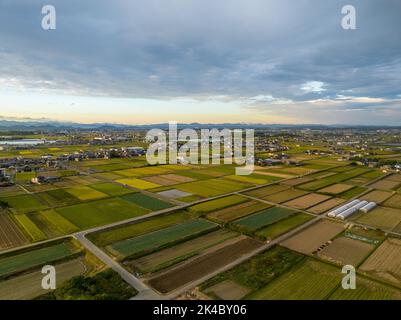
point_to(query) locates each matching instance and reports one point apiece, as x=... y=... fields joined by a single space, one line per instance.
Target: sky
x=254 y=61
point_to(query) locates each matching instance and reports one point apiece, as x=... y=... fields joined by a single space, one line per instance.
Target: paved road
x=144 y=292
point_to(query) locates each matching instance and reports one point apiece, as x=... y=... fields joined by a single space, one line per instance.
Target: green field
x=138 y=183
x=283 y=226
x=111 y=189
x=264 y=218
x=216 y=204
x=311 y=281
x=352 y=192
x=260 y=270
x=24 y=176
x=146 y=202
x=33 y=258
x=96 y=213
x=133 y=230
x=24 y=203
x=147 y=243
x=238 y=211
x=211 y=187
x=57 y=197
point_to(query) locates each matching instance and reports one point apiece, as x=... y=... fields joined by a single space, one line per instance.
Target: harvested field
x=217 y=204
x=264 y=218
x=174 y=194
x=148 y=243
x=336 y=188
x=238 y=211
x=228 y=290
x=310 y=239
x=285 y=195
x=296 y=181
x=367 y=290
x=283 y=226
x=394 y=201
x=28 y=286
x=385 y=262
x=326 y=205
x=346 y=251
x=203 y=265
x=265 y=191
x=11 y=191
x=385 y=184
x=185 y=250
x=377 y=196
x=316 y=279
x=10 y=235
x=381 y=217
x=394 y=177
x=306 y=201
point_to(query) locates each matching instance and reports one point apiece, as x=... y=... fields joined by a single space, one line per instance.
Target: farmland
x=381 y=217
x=149 y=242
x=264 y=218
x=316 y=279
x=200 y=266
x=310 y=239
x=237 y=211
x=10 y=234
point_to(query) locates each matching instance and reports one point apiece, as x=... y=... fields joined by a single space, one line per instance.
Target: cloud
x=280 y=53
x=313 y=87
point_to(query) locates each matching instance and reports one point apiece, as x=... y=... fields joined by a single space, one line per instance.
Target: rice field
x=264 y=218
x=317 y=280
x=276 y=229
x=100 y=212
x=57 y=197
x=85 y=193
x=237 y=211
x=266 y=191
x=111 y=189
x=393 y=202
x=30 y=227
x=306 y=201
x=138 y=183
x=10 y=234
x=10 y=264
x=132 y=230
x=217 y=204
x=285 y=196
x=58 y=222
x=24 y=203
x=147 y=202
x=381 y=217
x=211 y=187
x=150 y=242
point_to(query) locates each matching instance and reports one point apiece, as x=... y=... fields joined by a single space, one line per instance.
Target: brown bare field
x=28 y=286
x=296 y=181
x=395 y=177
x=185 y=249
x=306 y=201
x=10 y=235
x=285 y=195
x=394 y=201
x=377 y=196
x=385 y=262
x=309 y=240
x=325 y=206
x=203 y=265
x=238 y=211
x=228 y=290
x=385 y=184
x=344 y=251
x=381 y=217
x=336 y=188
x=265 y=191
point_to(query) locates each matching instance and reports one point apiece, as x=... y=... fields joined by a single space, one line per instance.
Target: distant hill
x=49 y=125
